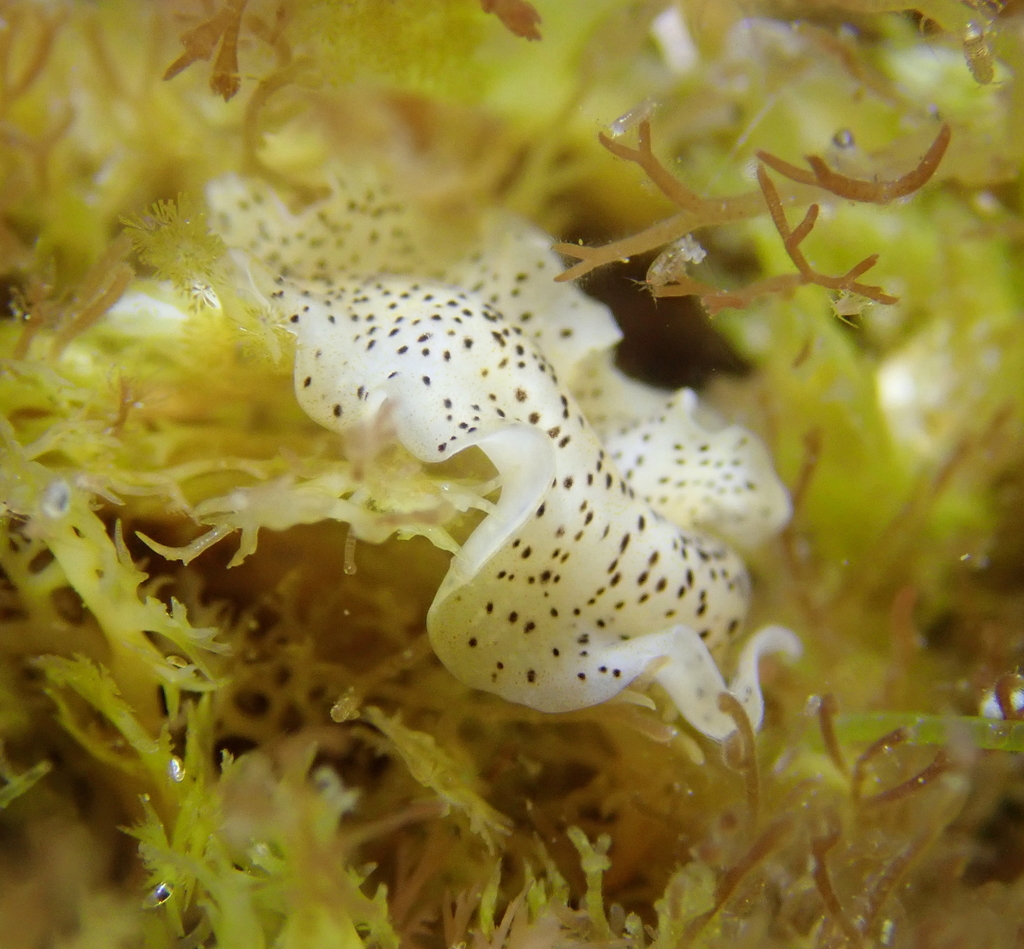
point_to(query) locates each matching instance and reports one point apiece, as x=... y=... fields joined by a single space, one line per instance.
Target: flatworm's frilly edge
x=593 y=566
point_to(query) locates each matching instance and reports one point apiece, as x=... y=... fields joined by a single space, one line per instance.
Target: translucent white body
x=585 y=575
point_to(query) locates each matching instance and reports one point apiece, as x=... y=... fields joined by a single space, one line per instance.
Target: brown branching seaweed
x=518 y=17
x=660 y=176
x=28 y=33
x=793 y=238
x=410 y=916
x=128 y=399
x=890 y=879
x=883 y=745
x=286 y=74
x=702 y=212
x=904 y=638
x=812 y=440
x=100 y=288
x=219 y=32
x=741 y=753
x=844 y=51
x=456 y=912
x=19 y=73
x=855 y=189
x=827 y=709
x=36 y=308
x=820 y=847
x=797 y=564
x=39 y=148
x=716 y=300
x=696 y=211
x=939 y=766
x=273 y=32
x=770 y=839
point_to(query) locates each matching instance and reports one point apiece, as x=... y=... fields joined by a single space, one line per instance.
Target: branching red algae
x=697 y=212
x=812 y=443
x=219 y=32
x=14 y=86
x=939 y=766
x=855 y=189
x=741 y=754
x=904 y=637
x=770 y=839
x=793 y=238
x=702 y=212
x=886 y=743
x=827 y=709
x=100 y=289
x=518 y=16
x=820 y=847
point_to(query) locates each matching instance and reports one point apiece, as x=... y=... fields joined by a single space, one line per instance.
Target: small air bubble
x=56 y=500
x=176 y=769
x=843 y=139
x=159 y=895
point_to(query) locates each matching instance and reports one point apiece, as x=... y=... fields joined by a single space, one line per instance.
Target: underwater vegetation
x=223 y=721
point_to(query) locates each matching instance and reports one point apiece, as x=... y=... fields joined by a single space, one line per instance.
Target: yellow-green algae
x=269 y=755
